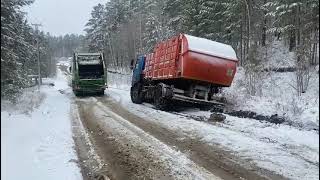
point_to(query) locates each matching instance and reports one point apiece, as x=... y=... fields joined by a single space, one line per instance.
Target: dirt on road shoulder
x=89 y=161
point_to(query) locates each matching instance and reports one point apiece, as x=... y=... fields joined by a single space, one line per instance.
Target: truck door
x=138 y=69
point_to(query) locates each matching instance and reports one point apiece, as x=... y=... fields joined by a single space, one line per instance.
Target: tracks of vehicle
x=89 y=162
x=129 y=152
x=123 y=162
x=214 y=159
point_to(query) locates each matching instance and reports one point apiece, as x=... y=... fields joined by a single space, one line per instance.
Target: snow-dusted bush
x=277 y=91
x=119 y=78
x=27 y=101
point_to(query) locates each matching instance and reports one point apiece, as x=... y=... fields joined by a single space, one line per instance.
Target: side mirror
x=131 y=64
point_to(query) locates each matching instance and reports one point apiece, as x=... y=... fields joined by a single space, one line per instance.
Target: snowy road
x=129 y=152
x=133 y=147
x=120 y=140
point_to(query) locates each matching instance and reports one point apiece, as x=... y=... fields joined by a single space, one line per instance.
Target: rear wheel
x=136 y=93
x=160 y=102
x=205 y=107
x=217 y=108
x=76 y=93
x=100 y=93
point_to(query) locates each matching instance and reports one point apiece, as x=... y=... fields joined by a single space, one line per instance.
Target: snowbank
x=36 y=136
x=29 y=99
x=278 y=97
x=277 y=93
x=119 y=78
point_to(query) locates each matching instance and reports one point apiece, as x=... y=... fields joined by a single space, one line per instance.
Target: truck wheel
x=160 y=102
x=136 y=93
x=217 y=108
x=100 y=93
x=76 y=93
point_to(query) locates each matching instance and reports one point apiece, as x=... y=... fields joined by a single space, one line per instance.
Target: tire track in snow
x=176 y=159
x=214 y=160
x=130 y=152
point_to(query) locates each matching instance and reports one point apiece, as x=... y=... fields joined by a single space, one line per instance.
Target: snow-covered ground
x=278 y=55
x=277 y=94
x=117 y=80
x=286 y=150
x=36 y=135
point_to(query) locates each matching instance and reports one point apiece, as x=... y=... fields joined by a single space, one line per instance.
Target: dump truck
x=184 y=68
x=88 y=73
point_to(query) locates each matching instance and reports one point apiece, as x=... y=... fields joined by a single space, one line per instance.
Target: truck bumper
x=197 y=101
x=89 y=89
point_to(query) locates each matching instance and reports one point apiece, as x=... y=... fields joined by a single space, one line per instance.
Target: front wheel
x=76 y=93
x=136 y=93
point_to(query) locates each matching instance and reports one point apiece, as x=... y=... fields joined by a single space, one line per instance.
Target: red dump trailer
x=184 y=68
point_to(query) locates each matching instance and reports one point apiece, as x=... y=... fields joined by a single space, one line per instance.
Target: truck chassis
x=163 y=95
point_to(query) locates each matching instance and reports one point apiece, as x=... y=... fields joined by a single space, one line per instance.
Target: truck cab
x=137 y=80
x=138 y=70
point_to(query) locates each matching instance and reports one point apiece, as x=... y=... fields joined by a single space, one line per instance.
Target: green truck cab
x=88 y=73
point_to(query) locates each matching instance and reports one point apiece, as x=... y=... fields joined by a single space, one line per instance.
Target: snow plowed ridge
x=39 y=145
x=93 y=164
x=305 y=149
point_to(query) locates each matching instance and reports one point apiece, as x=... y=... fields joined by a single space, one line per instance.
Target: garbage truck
x=88 y=74
x=184 y=68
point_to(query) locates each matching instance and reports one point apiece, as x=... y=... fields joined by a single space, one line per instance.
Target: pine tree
x=13 y=47
x=95 y=33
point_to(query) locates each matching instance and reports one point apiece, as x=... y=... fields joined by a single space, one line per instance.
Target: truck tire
x=76 y=93
x=100 y=93
x=160 y=102
x=136 y=93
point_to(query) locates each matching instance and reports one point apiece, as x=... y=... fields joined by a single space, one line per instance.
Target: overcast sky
x=59 y=17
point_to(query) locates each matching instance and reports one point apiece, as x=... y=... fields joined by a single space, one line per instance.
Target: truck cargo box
x=193 y=58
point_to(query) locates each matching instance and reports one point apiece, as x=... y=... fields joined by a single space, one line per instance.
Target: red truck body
x=189 y=57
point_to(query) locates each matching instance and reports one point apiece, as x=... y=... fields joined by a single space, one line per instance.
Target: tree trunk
x=248 y=7
x=264 y=28
x=314 y=49
x=299 y=26
x=292 y=40
x=241 y=46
